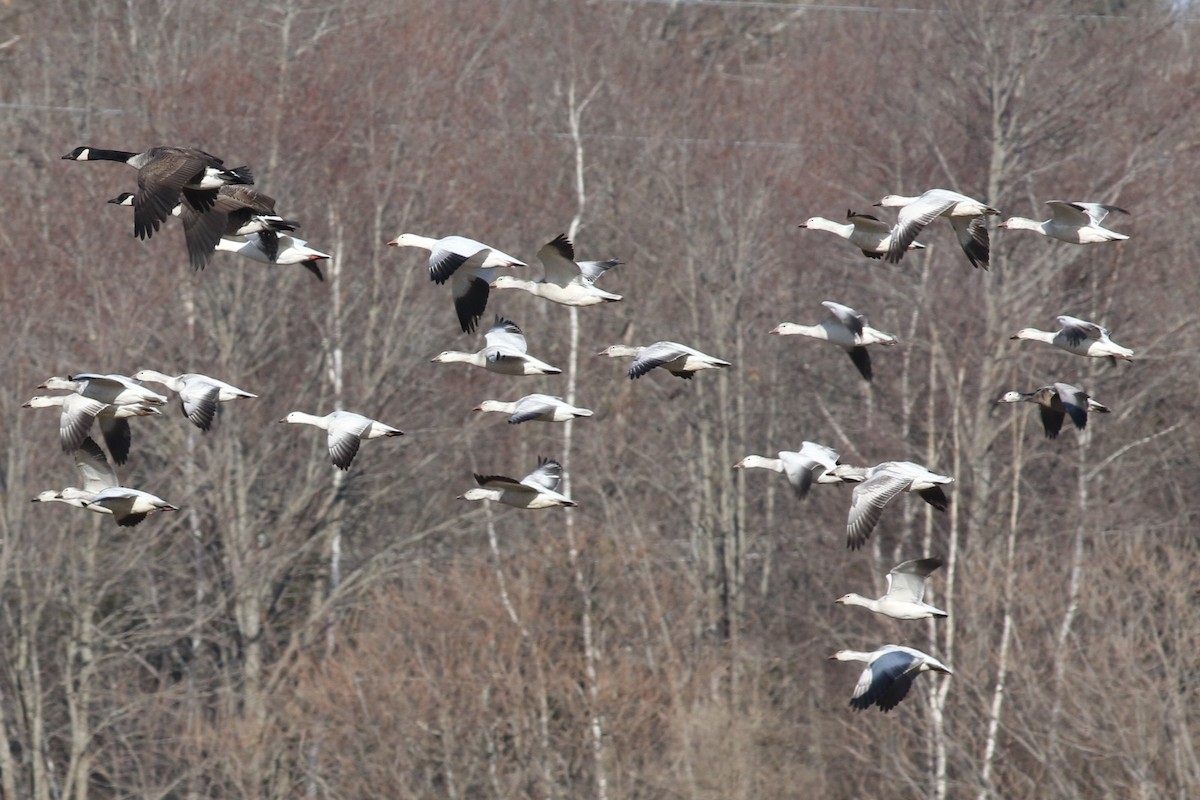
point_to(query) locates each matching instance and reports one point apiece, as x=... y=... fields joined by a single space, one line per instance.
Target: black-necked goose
x=965 y=213
x=868 y=233
x=812 y=462
x=538 y=489
x=470 y=266
x=879 y=484
x=535 y=407
x=77 y=414
x=1080 y=337
x=505 y=351
x=905 y=595
x=846 y=328
x=678 y=359
x=567 y=282
x=346 y=430
x=1070 y=221
x=165 y=176
x=1056 y=402
x=889 y=675
x=198 y=394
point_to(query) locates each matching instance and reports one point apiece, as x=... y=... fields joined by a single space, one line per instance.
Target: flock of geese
x=220 y=213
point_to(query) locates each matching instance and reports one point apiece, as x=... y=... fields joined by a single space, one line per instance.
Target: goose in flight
x=345 y=430
x=1080 y=337
x=904 y=598
x=288 y=250
x=78 y=413
x=802 y=468
x=879 y=484
x=1074 y=222
x=198 y=394
x=567 y=282
x=167 y=176
x=966 y=216
x=505 y=351
x=1056 y=402
x=536 y=407
x=889 y=675
x=538 y=489
x=677 y=359
x=868 y=233
x=102 y=493
x=117 y=390
x=470 y=266
x=846 y=328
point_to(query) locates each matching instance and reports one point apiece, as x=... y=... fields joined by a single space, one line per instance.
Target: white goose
x=117 y=390
x=535 y=490
x=198 y=394
x=889 y=675
x=811 y=463
x=505 y=351
x=846 y=328
x=566 y=282
x=965 y=213
x=905 y=595
x=679 y=360
x=868 y=233
x=1080 y=337
x=535 y=407
x=1056 y=402
x=288 y=250
x=345 y=430
x=78 y=413
x=101 y=492
x=470 y=266
x=1074 y=222
x=879 y=484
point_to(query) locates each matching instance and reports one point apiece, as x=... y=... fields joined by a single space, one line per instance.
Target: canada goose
x=869 y=234
x=537 y=407
x=237 y=211
x=890 y=673
x=289 y=250
x=198 y=394
x=505 y=351
x=846 y=328
x=905 y=595
x=1074 y=222
x=811 y=463
x=1080 y=337
x=165 y=174
x=77 y=415
x=677 y=359
x=117 y=390
x=1057 y=401
x=346 y=430
x=879 y=484
x=566 y=282
x=966 y=216
x=535 y=490
x=470 y=267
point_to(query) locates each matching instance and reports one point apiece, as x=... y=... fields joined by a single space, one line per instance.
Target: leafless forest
x=294 y=631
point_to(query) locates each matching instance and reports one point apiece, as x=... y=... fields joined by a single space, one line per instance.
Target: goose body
x=905 y=595
x=505 y=351
x=868 y=233
x=889 y=675
x=1056 y=402
x=167 y=176
x=1071 y=221
x=535 y=407
x=966 y=216
x=877 y=485
x=128 y=506
x=345 y=431
x=117 y=390
x=846 y=328
x=680 y=360
x=1080 y=337
x=198 y=394
x=802 y=468
x=470 y=266
x=78 y=413
x=288 y=250
x=535 y=490
x=566 y=281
